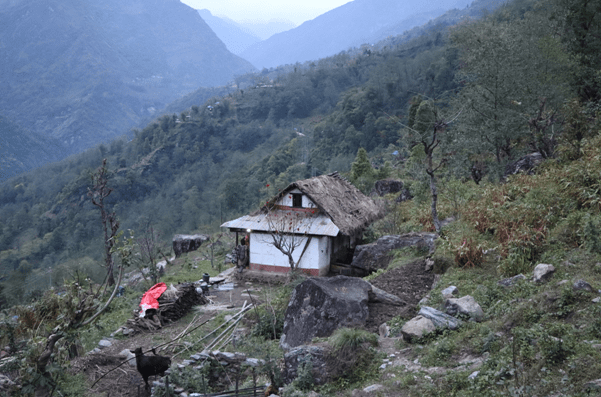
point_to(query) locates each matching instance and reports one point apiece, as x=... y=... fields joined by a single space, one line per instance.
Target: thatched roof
x=343 y=203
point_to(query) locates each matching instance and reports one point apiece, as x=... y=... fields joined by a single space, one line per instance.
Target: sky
x=296 y=11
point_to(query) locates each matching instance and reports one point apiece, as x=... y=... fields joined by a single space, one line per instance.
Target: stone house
x=321 y=218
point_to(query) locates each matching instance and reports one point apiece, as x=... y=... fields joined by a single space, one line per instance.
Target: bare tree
x=284 y=226
x=150 y=250
x=100 y=191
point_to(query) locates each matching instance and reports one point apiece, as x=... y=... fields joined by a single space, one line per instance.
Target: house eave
x=319 y=225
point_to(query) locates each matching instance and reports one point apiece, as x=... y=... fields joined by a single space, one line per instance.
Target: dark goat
x=150 y=365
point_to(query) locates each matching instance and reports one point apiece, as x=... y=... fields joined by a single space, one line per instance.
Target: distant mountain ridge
x=349 y=25
x=84 y=71
x=234 y=37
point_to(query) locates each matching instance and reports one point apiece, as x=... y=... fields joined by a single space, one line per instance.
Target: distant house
x=328 y=215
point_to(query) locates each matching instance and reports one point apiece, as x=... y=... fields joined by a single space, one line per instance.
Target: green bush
x=304 y=379
x=269 y=325
x=352 y=355
x=345 y=339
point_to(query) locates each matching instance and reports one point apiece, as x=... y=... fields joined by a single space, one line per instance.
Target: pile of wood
x=174 y=303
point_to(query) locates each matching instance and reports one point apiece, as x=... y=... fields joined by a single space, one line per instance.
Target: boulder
x=374 y=256
x=439 y=319
x=373 y=388
x=129 y=356
x=543 y=272
x=417 y=327
x=582 y=285
x=404 y=196
x=384 y=330
x=429 y=266
x=319 y=306
x=449 y=292
x=387 y=186
x=526 y=165
x=183 y=243
x=508 y=282
x=300 y=354
x=465 y=305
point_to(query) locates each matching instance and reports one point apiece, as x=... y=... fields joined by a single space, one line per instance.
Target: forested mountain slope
x=22 y=150
x=84 y=72
x=187 y=172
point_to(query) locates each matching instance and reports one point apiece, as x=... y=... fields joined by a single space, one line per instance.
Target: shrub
x=345 y=339
x=468 y=254
x=304 y=379
x=352 y=354
x=270 y=325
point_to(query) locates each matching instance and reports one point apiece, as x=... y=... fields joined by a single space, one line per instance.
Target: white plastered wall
x=316 y=256
x=286 y=200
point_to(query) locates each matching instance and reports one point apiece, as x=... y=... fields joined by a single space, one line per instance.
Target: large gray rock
x=582 y=285
x=295 y=357
x=465 y=305
x=183 y=243
x=319 y=306
x=374 y=256
x=526 y=165
x=543 y=272
x=439 y=319
x=417 y=327
x=387 y=186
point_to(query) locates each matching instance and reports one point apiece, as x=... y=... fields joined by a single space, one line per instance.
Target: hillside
x=22 y=150
x=489 y=130
x=86 y=72
x=349 y=25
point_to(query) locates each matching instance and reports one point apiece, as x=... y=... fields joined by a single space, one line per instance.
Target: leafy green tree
x=362 y=173
x=582 y=37
x=385 y=171
x=426 y=134
x=511 y=72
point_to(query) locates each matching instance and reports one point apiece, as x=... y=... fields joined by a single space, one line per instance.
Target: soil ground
x=409 y=282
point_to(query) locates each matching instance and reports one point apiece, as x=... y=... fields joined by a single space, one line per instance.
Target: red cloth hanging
x=150 y=298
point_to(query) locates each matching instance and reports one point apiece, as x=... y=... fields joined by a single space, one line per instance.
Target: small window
x=297 y=200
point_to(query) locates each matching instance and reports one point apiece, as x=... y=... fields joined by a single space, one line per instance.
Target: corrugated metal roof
x=317 y=225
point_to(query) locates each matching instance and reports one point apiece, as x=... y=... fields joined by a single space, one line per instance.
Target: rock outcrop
x=303 y=354
x=526 y=165
x=374 y=256
x=183 y=243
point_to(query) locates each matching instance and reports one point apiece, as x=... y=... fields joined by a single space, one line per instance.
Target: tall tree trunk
x=434 y=192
